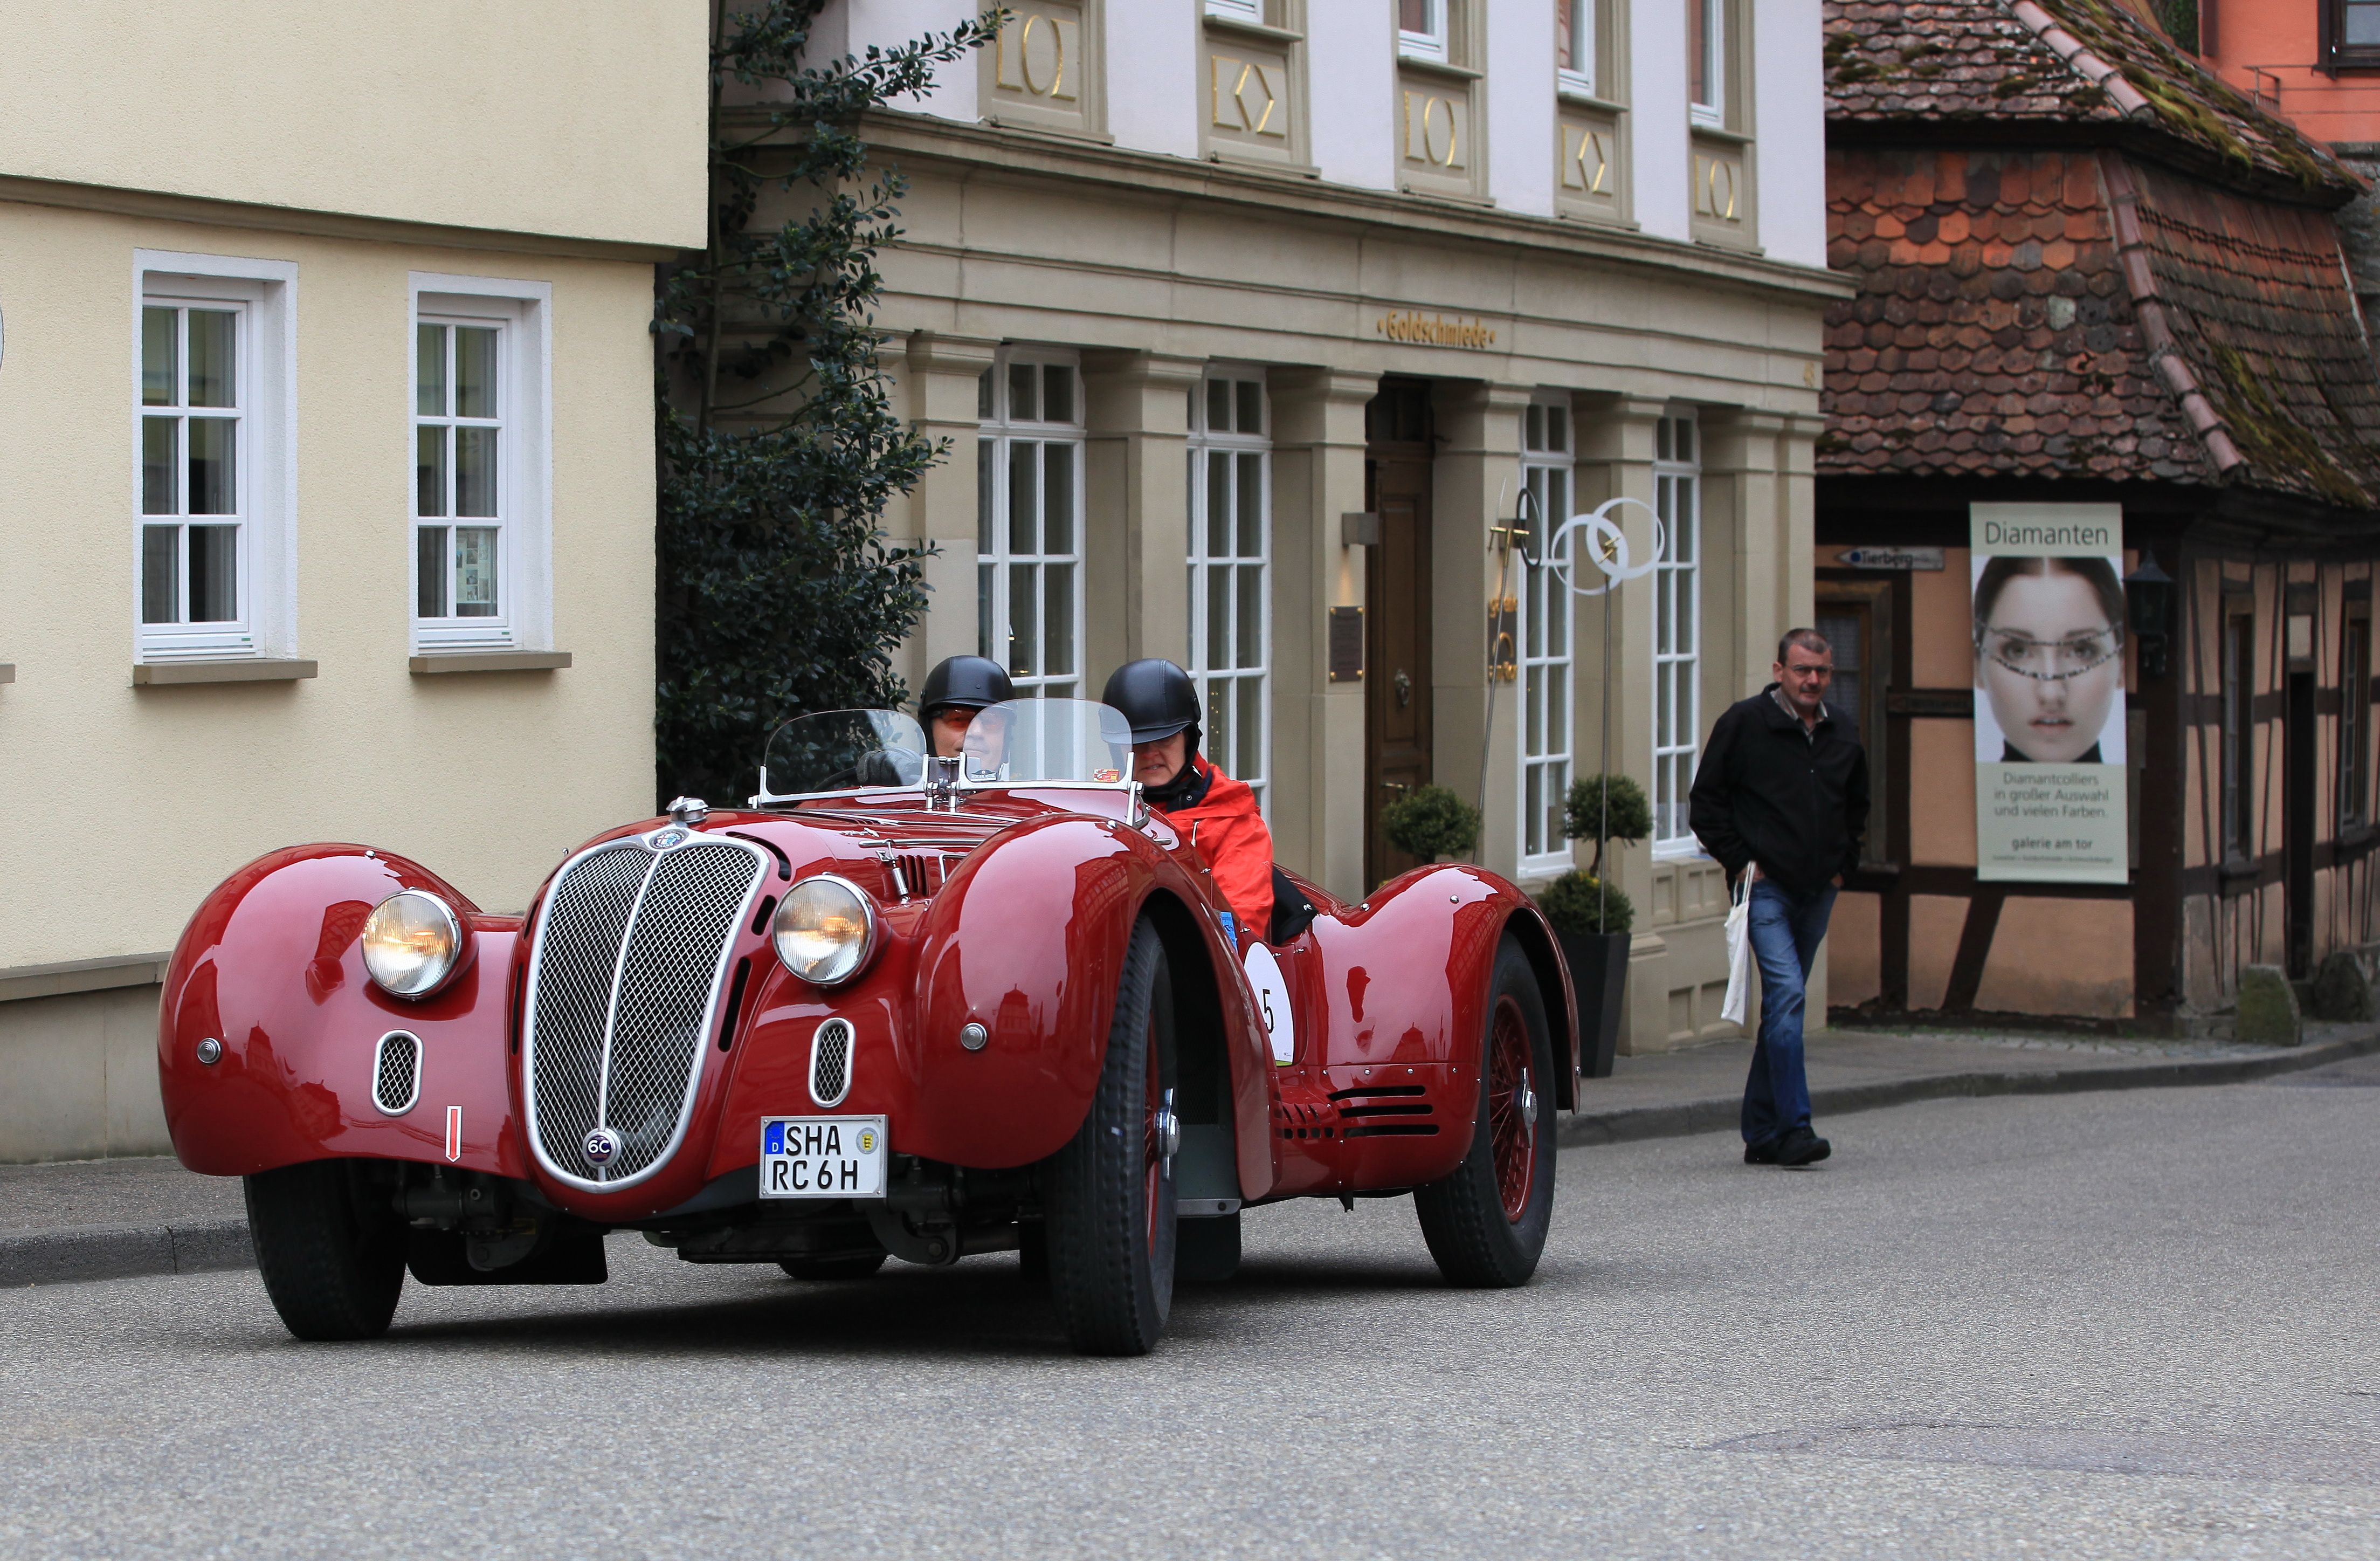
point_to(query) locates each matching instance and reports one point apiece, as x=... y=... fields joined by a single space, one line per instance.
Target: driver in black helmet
x=955 y=690
x=1162 y=704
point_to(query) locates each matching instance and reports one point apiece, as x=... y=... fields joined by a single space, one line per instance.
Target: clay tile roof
x=2090 y=70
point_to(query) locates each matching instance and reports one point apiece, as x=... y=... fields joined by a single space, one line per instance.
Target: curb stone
x=122 y=1251
x=126 y=1251
x=1717 y=1113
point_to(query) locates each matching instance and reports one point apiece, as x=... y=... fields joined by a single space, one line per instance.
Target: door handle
x=1403 y=685
x=1394 y=786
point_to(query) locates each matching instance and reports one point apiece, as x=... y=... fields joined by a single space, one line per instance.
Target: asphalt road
x=2139 y=1325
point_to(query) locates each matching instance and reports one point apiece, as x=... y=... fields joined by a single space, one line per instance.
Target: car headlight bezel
x=384 y=954
x=848 y=958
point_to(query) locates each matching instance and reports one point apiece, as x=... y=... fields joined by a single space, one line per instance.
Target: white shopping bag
x=1739 y=951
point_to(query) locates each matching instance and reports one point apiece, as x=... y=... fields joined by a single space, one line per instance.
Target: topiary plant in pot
x=1591 y=916
x=1431 y=821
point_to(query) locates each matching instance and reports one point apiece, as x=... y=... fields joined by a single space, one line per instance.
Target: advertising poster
x=2049 y=693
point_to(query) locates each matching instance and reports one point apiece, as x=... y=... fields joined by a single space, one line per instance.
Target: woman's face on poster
x=2051 y=664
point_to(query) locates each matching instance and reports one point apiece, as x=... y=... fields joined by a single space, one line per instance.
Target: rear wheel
x=331 y=1250
x=1486 y=1222
x=843 y=1266
x=1110 y=1199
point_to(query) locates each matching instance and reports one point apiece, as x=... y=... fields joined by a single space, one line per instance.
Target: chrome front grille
x=624 y=976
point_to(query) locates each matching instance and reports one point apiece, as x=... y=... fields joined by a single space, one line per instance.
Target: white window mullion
x=1228 y=559
x=1028 y=562
x=1677 y=633
x=1547 y=621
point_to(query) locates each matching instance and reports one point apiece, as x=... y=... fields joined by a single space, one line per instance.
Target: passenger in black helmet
x=954 y=691
x=1162 y=704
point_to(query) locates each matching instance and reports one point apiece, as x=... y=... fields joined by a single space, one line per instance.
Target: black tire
x=329 y=1248
x=842 y=1265
x=1207 y=1251
x=1480 y=1237
x=1110 y=1196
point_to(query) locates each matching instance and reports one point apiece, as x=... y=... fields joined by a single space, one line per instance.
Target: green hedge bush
x=1431 y=821
x=1578 y=906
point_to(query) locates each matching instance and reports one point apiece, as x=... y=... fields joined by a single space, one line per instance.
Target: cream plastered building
x=326 y=474
x=1251 y=321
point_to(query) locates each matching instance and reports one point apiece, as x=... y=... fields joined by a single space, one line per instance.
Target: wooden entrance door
x=1396 y=615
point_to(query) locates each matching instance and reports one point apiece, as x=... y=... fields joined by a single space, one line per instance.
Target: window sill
x=440 y=663
x=1249 y=27
x=253 y=670
x=1722 y=133
x=1449 y=196
x=1429 y=66
x=22 y=982
x=1572 y=98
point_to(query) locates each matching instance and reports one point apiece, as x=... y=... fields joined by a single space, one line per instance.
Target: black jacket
x=1767 y=791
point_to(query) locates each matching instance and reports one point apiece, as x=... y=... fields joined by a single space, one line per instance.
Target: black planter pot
x=1598 y=973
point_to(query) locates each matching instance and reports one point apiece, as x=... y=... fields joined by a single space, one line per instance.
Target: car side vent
x=922 y=871
x=831 y=1062
x=1385 y=1111
x=396 y=1072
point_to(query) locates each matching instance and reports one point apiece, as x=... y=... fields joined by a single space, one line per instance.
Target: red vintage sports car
x=902 y=1005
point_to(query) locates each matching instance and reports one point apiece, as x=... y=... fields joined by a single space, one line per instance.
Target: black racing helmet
x=969 y=682
x=1156 y=697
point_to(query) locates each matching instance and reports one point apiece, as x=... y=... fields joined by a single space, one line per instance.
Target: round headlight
x=825 y=930
x=412 y=941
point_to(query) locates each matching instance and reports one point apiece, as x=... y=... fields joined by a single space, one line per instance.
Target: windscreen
x=842 y=750
x=1029 y=741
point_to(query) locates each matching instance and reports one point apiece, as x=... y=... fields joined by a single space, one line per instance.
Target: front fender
x=272 y=966
x=1028 y=940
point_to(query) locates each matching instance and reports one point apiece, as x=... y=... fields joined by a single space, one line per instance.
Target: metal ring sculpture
x=1609 y=550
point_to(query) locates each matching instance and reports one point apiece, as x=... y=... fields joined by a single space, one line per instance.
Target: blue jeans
x=1786 y=930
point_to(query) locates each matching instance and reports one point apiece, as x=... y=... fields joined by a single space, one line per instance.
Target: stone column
x=936 y=386
x=1475 y=485
x=1318 y=725
x=1615 y=453
x=1137 y=509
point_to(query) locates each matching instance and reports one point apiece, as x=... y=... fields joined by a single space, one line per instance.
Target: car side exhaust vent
x=830 y=1063
x=1384 y=1111
x=396 y=1072
x=924 y=872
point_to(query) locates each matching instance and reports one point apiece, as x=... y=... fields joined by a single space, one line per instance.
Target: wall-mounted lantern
x=2148 y=596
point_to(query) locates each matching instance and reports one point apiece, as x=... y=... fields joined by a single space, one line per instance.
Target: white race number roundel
x=1272 y=1003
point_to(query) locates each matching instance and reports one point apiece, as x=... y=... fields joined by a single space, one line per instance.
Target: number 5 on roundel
x=1273 y=1001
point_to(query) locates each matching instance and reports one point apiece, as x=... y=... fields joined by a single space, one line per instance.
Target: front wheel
x=331 y=1250
x=1109 y=1199
x=1486 y=1224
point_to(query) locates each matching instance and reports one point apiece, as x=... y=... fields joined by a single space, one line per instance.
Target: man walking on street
x=1781 y=793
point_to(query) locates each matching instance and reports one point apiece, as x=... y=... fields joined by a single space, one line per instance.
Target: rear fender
x=272 y=967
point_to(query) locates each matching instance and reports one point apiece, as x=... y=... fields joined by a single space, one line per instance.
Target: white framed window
x=1676 y=633
x=214 y=457
x=1574 y=23
x=481 y=549
x=1706 y=61
x=1422 y=29
x=1230 y=585
x=1236 y=10
x=1029 y=520
x=1547 y=696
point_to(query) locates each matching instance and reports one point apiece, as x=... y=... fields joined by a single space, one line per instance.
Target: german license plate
x=822 y=1157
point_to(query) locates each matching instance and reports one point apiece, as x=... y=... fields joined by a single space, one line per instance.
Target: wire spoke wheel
x=1511 y=1113
x=1486 y=1222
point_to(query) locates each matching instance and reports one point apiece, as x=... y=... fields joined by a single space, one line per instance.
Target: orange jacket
x=1235 y=844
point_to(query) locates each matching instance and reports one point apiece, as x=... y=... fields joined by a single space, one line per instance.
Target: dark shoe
x=1801 y=1147
x=1764 y=1154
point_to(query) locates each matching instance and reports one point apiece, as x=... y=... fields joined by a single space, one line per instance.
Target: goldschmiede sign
x=2048 y=635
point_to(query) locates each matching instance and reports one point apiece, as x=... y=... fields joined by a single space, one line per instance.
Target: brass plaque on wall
x=1346 y=644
